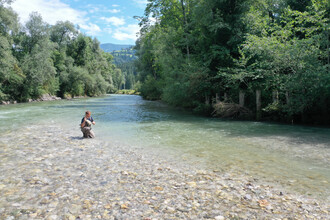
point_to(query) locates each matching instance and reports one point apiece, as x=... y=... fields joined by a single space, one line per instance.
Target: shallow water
x=296 y=157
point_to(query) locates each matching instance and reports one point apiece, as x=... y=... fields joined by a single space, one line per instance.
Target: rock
x=192 y=184
x=263 y=203
x=247 y=197
x=70 y=217
x=45 y=176
x=159 y=188
x=5 y=103
x=124 y=206
x=170 y=209
x=219 y=217
x=107 y=206
x=52 y=217
x=48 y=97
x=44 y=201
x=33 y=215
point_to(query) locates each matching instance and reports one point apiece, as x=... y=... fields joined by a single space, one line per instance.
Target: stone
x=45 y=176
x=247 y=197
x=52 y=217
x=219 y=217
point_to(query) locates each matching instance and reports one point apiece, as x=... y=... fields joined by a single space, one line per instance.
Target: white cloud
x=141 y=3
x=93 y=10
x=53 y=11
x=108 y=30
x=50 y=10
x=92 y=29
x=127 y=33
x=114 y=11
x=114 y=20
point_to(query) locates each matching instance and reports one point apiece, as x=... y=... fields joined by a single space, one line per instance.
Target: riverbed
x=152 y=161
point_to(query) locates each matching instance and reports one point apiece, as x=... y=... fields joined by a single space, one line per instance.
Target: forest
x=125 y=59
x=263 y=59
x=37 y=58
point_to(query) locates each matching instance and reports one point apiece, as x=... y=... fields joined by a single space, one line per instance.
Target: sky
x=110 y=21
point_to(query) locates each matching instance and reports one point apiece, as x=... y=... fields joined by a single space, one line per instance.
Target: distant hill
x=123 y=56
x=113 y=47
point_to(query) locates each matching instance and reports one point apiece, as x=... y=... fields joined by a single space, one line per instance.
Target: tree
x=11 y=76
x=63 y=32
x=39 y=59
x=271 y=55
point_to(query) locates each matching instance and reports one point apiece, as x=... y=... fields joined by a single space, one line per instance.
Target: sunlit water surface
x=296 y=157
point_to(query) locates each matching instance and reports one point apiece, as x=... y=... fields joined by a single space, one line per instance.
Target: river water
x=294 y=157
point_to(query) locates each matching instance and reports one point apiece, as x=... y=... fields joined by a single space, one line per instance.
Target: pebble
x=47 y=173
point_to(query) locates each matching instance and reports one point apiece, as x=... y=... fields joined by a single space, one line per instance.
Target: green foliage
x=62 y=33
x=150 y=89
x=124 y=60
x=290 y=60
x=38 y=59
x=128 y=92
x=123 y=56
x=109 y=48
x=197 y=50
x=203 y=109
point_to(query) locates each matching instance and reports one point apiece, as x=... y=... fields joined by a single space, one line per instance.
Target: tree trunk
x=287 y=97
x=225 y=97
x=207 y=99
x=217 y=98
x=275 y=96
x=185 y=25
x=241 y=98
x=328 y=48
x=258 y=103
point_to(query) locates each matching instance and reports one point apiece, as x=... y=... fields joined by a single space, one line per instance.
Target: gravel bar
x=50 y=172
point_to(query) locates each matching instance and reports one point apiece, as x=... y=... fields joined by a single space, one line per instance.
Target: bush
x=151 y=89
x=203 y=109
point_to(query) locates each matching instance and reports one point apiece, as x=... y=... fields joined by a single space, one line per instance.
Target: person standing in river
x=86 y=125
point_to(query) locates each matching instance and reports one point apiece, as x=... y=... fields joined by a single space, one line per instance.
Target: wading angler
x=86 y=125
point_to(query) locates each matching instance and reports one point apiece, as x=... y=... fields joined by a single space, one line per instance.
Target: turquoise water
x=296 y=157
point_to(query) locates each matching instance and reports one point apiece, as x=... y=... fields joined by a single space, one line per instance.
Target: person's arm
x=83 y=123
x=93 y=122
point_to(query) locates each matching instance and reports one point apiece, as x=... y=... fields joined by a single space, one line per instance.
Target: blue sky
x=110 y=21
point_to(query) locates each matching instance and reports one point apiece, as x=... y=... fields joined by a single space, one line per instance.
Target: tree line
x=38 y=58
x=124 y=59
x=269 y=56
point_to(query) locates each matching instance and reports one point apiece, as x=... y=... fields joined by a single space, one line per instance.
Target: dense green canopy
x=193 y=53
x=38 y=58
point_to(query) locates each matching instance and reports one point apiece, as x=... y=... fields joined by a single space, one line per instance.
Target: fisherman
x=86 y=125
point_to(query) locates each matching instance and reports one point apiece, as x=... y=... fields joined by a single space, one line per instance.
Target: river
x=294 y=157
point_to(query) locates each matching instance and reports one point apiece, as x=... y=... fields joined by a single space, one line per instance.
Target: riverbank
x=43 y=98
x=50 y=172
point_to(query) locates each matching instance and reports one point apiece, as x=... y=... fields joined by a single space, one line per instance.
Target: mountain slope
x=112 y=47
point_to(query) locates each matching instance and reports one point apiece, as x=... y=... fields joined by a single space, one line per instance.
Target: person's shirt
x=90 y=118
